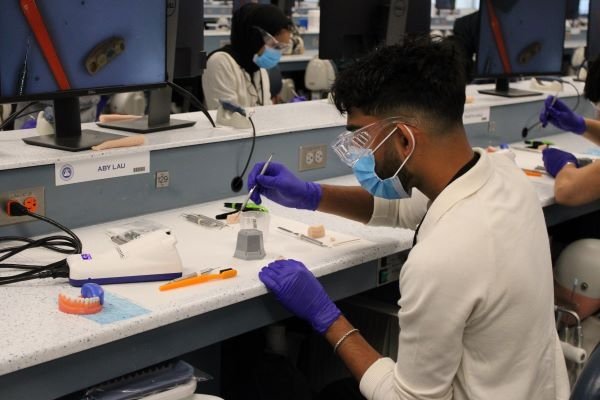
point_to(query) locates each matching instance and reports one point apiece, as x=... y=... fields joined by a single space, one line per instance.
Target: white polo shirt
x=224 y=79
x=477 y=305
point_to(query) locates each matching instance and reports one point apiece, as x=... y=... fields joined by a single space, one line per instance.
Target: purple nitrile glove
x=561 y=116
x=283 y=187
x=555 y=160
x=300 y=292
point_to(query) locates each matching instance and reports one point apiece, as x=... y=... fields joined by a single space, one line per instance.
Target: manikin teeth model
x=78 y=305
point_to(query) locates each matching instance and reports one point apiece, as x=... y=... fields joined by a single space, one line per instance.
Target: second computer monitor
x=572 y=9
x=519 y=38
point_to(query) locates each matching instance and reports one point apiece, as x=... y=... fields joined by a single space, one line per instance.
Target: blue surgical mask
x=268 y=59
x=390 y=188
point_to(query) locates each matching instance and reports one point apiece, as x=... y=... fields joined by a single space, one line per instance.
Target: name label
x=95 y=169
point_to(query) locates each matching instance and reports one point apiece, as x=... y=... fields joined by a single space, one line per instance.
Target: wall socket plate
x=20 y=195
x=312 y=157
x=162 y=179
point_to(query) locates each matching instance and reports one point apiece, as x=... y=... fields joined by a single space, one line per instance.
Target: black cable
x=193 y=99
x=63 y=244
x=526 y=129
x=237 y=183
x=16 y=115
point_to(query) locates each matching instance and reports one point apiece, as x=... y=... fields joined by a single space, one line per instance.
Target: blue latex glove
x=555 y=160
x=300 y=292
x=561 y=116
x=283 y=187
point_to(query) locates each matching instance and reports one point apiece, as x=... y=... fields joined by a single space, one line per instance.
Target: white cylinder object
x=572 y=353
x=4 y=111
x=314 y=18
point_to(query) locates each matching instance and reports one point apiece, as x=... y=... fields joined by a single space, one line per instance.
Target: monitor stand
x=158 y=118
x=69 y=136
x=503 y=89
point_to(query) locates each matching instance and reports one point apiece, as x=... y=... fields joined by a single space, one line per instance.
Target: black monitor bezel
x=588 y=56
x=61 y=94
x=516 y=74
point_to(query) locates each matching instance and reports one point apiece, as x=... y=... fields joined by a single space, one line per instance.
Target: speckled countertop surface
x=33 y=331
x=269 y=120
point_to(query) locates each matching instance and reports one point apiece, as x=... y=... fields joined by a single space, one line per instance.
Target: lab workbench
x=41 y=342
x=62 y=353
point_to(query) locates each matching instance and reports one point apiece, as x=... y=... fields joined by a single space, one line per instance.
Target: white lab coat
x=225 y=79
x=476 y=317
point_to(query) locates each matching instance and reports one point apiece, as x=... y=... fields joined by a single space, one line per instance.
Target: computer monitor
x=593 y=39
x=350 y=29
x=190 y=59
x=185 y=60
x=517 y=38
x=61 y=49
x=572 y=9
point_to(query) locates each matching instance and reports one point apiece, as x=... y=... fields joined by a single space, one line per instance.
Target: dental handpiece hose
x=23 y=75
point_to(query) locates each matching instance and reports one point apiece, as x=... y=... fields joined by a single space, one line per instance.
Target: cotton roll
x=572 y=353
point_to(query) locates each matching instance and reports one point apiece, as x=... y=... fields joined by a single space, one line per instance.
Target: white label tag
x=101 y=168
x=476 y=115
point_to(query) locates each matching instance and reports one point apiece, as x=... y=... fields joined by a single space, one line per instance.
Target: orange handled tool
x=37 y=25
x=532 y=172
x=223 y=274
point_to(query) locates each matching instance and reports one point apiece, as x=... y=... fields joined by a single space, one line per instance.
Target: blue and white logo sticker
x=86 y=256
x=66 y=172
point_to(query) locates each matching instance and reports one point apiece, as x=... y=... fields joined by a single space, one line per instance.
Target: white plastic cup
x=255 y=220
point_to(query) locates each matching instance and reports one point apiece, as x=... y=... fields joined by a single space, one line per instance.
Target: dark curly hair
x=592 y=82
x=423 y=78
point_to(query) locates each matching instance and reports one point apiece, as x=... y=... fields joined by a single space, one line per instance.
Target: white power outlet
x=312 y=157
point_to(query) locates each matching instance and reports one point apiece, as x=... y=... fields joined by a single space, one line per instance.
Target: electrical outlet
x=312 y=157
x=32 y=198
x=162 y=179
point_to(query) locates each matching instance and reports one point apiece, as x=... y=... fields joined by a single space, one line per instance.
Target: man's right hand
x=560 y=115
x=283 y=187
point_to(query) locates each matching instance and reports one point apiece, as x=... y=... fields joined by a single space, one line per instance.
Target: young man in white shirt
x=476 y=307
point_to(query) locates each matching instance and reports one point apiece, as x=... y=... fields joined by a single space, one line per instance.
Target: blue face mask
x=268 y=59
x=390 y=188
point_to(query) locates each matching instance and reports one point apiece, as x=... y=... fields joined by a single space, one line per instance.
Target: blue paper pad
x=116 y=309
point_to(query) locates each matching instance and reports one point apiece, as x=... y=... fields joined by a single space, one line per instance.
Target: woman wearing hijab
x=238 y=72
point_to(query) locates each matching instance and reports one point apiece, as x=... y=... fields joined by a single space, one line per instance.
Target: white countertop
x=486 y=100
x=308 y=55
x=34 y=331
x=269 y=120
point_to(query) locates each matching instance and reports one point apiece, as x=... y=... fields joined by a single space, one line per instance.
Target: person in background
x=575 y=185
x=471 y=327
x=238 y=71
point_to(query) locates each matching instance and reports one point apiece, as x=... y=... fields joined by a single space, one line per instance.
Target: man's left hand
x=555 y=160
x=300 y=292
